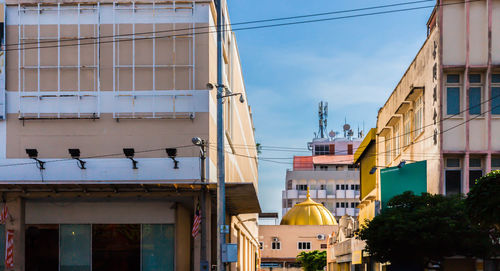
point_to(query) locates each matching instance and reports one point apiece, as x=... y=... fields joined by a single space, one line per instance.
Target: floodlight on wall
x=373 y=170
x=129 y=153
x=402 y=164
x=75 y=154
x=172 y=153
x=33 y=154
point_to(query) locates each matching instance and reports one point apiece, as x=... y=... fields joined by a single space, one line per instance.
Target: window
x=495 y=163
x=337 y=204
x=289 y=185
x=349 y=148
x=397 y=148
x=322 y=187
x=475 y=90
x=495 y=94
x=304 y=245
x=302 y=187
x=289 y=203
x=337 y=187
x=452 y=94
x=419 y=115
x=261 y=245
x=74 y=247
x=357 y=187
x=353 y=205
x=387 y=151
x=352 y=167
x=353 y=187
x=407 y=128
x=321 y=149
x=342 y=205
x=475 y=171
x=323 y=246
x=342 y=187
x=453 y=176
x=275 y=245
x=323 y=168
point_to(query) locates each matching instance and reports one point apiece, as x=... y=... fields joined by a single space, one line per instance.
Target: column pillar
x=17 y=223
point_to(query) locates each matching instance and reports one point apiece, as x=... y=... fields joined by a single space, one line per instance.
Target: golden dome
x=308 y=212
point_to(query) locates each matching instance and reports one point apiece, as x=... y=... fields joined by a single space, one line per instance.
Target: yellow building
x=366 y=158
x=305 y=227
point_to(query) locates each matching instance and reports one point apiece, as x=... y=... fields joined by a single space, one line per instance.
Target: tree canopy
x=313 y=260
x=483 y=201
x=422 y=229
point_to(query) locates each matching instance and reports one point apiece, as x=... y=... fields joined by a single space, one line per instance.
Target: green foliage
x=483 y=201
x=313 y=260
x=420 y=229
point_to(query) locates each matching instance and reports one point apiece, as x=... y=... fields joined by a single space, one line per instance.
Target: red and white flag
x=9 y=249
x=196 y=222
x=4 y=214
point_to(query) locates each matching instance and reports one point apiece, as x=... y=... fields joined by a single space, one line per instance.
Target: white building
x=329 y=172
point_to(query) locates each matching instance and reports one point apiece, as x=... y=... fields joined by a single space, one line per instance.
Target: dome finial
x=308 y=195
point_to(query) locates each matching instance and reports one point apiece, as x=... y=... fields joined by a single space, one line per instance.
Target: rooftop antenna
x=322 y=115
x=346 y=128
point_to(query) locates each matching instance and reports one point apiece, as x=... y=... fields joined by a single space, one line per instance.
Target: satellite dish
x=347 y=127
x=332 y=134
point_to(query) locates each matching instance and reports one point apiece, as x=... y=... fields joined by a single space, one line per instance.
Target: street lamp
x=203 y=257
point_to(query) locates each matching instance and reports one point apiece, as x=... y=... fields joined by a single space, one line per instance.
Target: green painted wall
x=394 y=181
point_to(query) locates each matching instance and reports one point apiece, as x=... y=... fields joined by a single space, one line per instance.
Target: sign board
x=410 y=177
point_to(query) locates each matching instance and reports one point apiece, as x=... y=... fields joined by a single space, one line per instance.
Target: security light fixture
x=129 y=153
x=33 y=154
x=373 y=170
x=75 y=154
x=172 y=153
x=210 y=86
x=402 y=164
x=197 y=141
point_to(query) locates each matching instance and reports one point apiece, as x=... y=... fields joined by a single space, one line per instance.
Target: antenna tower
x=322 y=115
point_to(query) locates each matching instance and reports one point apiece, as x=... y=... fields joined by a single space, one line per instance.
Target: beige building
x=446 y=108
x=304 y=228
x=444 y=113
x=115 y=84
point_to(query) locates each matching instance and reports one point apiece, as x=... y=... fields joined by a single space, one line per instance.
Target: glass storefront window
x=42 y=247
x=157 y=247
x=116 y=247
x=75 y=247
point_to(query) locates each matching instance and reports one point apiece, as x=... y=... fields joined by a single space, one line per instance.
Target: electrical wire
x=243 y=28
x=233 y=24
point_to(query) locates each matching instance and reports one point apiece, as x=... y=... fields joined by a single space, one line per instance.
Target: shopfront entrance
x=100 y=247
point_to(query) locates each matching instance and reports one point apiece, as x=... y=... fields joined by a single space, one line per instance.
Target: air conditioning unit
x=321 y=237
x=276 y=239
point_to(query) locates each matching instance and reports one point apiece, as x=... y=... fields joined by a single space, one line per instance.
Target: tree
x=482 y=204
x=416 y=230
x=483 y=201
x=312 y=261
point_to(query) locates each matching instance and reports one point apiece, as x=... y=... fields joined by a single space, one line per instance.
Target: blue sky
x=353 y=64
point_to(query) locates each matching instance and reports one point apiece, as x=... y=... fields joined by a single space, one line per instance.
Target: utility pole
x=221 y=170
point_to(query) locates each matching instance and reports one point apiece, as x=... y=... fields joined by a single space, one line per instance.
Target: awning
x=241 y=198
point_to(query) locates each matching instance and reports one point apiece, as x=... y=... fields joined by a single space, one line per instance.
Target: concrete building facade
x=115 y=84
x=329 y=173
x=446 y=108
